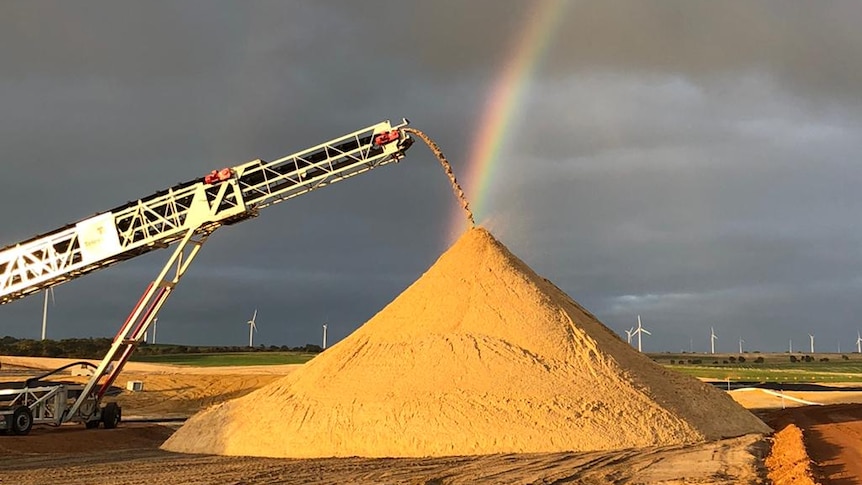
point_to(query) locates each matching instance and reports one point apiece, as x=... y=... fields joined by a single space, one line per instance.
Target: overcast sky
x=692 y=162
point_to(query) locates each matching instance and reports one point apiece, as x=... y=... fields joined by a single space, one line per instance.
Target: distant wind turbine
x=252 y=327
x=812 y=342
x=858 y=342
x=629 y=334
x=640 y=330
x=155 y=327
x=740 y=344
x=45 y=311
x=712 y=338
x=791 y=346
x=324 y=336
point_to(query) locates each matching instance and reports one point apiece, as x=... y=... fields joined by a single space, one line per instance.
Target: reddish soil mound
x=788 y=462
x=480 y=355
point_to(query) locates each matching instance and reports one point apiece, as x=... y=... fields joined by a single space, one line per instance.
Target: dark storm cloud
x=690 y=161
x=810 y=46
x=702 y=230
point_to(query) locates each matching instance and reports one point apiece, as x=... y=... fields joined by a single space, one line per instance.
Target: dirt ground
x=170 y=391
x=831 y=426
x=833 y=439
x=130 y=454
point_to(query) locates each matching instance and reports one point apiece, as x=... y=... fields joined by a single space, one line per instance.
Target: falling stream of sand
x=459 y=193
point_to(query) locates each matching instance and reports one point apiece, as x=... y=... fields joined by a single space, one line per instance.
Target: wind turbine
x=740 y=344
x=155 y=327
x=629 y=334
x=252 y=327
x=812 y=342
x=858 y=342
x=324 y=336
x=712 y=338
x=45 y=311
x=640 y=330
x=791 y=346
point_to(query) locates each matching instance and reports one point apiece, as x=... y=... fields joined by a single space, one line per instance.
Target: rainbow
x=501 y=106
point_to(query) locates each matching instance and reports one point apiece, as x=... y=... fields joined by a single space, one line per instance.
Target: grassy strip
x=767 y=374
x=228 y=359
x=775 y=367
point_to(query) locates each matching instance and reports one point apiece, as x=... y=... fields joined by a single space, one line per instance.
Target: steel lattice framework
x=165 y=217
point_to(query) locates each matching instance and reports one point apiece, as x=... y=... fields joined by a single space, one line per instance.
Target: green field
x=774 y=368
x=228 y=359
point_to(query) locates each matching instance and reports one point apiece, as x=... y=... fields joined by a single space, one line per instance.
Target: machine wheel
x=111 y=415
x=92 y=424
x=22 y=420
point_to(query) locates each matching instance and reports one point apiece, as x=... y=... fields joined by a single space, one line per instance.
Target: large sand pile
x=480 y=355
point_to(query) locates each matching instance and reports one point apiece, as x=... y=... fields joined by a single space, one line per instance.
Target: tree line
x=96 y=348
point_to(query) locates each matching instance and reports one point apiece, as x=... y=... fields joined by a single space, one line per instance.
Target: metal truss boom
x=187 y=213
x=224 y=197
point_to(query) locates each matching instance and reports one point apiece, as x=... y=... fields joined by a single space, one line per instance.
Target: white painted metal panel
x=98 y=238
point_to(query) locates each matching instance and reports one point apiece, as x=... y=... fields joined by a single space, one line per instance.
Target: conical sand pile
x=480 y=355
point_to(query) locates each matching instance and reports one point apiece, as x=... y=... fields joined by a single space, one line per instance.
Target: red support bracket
x=217 y=176
x=386 y=137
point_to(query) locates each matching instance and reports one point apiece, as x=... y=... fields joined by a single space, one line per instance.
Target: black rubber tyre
x=92 y=424
x=22 y=420
x=7 y=425
x=111 y=415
